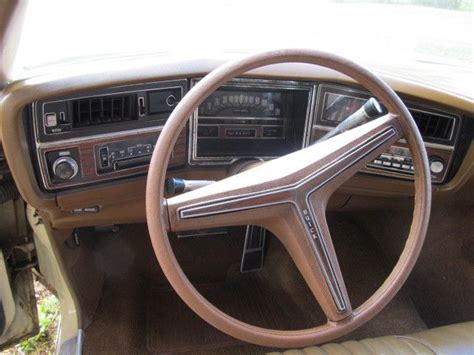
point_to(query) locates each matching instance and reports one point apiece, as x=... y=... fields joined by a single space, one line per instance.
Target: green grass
x=43 y=342
x=48 y=318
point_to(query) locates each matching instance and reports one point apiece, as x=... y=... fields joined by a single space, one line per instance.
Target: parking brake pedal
x=254 y=249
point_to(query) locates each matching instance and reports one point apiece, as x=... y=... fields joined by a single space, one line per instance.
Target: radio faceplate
x=95 y=166
x=123 y=154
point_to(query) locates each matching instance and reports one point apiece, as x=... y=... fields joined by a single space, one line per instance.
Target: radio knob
x=436 y=166
x=65 y=168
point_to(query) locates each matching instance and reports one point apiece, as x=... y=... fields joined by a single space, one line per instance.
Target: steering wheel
x=288 y=196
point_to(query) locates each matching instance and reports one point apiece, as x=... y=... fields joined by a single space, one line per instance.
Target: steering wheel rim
x=159 y=217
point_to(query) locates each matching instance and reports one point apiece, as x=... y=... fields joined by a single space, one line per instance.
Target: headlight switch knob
x=65 y=168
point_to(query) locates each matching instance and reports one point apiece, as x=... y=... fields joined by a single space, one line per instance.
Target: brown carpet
x=247 y=300
x=140 y=314
x=442 y=282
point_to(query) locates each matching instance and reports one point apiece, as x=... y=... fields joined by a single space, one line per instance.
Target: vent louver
x=433 y=126
x=103 y=109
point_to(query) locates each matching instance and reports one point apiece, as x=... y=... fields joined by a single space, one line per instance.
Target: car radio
x=124 y=154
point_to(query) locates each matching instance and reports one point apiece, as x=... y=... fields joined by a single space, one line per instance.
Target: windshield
x=428 y=40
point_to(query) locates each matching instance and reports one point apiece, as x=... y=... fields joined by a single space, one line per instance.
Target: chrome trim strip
x=324 y=260
x=310 y=116
x=96 y=137
x=433 y=145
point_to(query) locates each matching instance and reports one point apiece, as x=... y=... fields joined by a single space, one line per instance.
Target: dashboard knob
x=436 y=166
x=65 y=168
x=171 y=100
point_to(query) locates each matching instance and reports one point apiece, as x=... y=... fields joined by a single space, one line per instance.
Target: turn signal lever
x=175 y=186
x=370 y=110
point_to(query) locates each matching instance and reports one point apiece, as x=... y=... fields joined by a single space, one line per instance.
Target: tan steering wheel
x=288 y=196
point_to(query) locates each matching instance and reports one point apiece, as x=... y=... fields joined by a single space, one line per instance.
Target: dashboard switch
x=436 y=166
x=141 y=106
x=104 y=157
x=50 y=119
x=62 y=118
x=171 y=100
x=65 y=168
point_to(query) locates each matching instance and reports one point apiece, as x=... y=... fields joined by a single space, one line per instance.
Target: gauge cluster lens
x=250 y=121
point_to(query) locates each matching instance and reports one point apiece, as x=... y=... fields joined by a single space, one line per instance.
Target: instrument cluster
x=251 y=119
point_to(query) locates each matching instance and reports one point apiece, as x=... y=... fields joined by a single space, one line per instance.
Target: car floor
x=139 y=312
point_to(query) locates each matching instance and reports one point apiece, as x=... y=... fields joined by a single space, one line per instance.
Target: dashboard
x=110 y=134
x=79 y=142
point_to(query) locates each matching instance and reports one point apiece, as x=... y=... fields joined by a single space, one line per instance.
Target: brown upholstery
x=453 y=339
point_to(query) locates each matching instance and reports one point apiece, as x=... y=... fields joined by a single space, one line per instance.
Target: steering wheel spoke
x=246 y=198
x=305 y=234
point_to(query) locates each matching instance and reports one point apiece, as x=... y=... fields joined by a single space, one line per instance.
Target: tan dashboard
x=78 y=142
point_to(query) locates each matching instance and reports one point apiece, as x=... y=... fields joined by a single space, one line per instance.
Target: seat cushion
x=453 y=339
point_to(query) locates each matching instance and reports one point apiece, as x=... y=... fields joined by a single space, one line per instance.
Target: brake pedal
x=254 y=249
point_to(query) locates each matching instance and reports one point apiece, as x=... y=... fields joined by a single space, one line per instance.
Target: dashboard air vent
x=100 y=110
x=433 y=126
